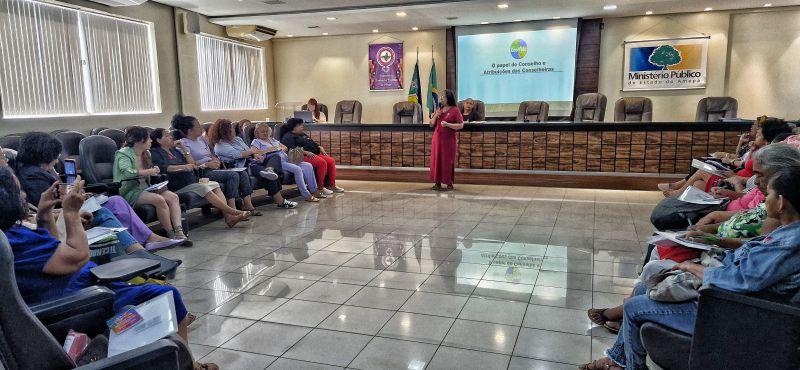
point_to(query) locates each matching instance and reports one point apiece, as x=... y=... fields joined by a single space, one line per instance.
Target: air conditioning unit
x=251 y=33
x=116 y=3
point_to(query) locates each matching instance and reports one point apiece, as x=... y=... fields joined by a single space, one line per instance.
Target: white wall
x=336 y=68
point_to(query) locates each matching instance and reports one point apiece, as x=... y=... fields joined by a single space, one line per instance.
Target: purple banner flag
x=386 y=66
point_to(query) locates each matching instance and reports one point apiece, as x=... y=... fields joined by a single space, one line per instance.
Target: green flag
x=433 y=91
x=414 y=92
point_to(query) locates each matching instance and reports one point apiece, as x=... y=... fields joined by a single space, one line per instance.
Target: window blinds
x=231 y=75
x=58 y=61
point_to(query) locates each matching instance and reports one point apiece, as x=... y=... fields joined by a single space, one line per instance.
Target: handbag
x=674 y=214
x=295 y=155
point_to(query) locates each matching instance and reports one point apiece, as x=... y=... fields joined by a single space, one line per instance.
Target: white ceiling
x=294 y=17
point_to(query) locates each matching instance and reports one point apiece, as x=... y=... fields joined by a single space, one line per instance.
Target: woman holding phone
x=446 y=121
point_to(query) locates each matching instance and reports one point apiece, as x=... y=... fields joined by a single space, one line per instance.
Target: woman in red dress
x=446 y=121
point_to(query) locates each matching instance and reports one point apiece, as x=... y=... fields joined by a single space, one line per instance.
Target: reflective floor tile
x=291 y=254
x=561 y=297
x=600 y=345
x=610 y=284
x=248 y=306
x=501 y=290
x=416 y=327
x=571 y=253
x=265 y=267
x=289 y=364
x=618 y=269
x=460 y=269
x=522 y=363
x=494 y=311
x=280 y=338
x=212 y=330
x=457 y=358
x=383 y=298
x=386 y=353
x=414 y=265
x=511 y=274
x=553 y=346
x=194 y=278
x=359 y=320
x=567 y=265
x=368 y=261
x=235 y=282
x=280 y=287
x=560 y=279
x=567 y=240
x=557 y=319
x=330 y=258
x=302 y=313
x=307 y=271
x=199 y=350
x=428 y=253
x=398 y=280
x=600 y=299
x=482 y=336
x=238 y=360
x=351 y=275
x=468 y=256
x=328 y=347
x=224 y=263
x=434 y=304
x=449 y=285
x=350 y=246
x=205 y=300
x=323 y=291
x=526 y=248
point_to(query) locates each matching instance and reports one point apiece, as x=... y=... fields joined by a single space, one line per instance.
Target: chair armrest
x=665 y=346
x=84 y=311
x=739 y=331
x=161 y=354
x=123 y=269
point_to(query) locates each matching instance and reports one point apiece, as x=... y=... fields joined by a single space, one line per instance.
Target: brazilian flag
x=433 y=91
x=414 y=92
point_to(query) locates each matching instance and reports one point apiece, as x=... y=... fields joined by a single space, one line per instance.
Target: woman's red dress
x=444 y=147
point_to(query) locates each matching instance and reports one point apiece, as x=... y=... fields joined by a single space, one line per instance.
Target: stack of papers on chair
x=101 y=235
x=680 y=239
x=156 y=187
x=158 y=321
x=697 y=196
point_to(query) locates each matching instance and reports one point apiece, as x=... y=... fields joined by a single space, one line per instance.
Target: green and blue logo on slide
x=519 y=48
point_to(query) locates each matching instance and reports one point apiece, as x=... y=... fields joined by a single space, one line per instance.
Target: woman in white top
x=317 y=116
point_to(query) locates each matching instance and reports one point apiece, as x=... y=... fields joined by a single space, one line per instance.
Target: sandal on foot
x=312 y=199
x=231 y=222
x=598 y=316
x=254 y=212
x=604 y=363
x=205 y=366
x=612 y=326
x=190 y=318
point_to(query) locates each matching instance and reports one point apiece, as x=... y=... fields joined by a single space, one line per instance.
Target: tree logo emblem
x=665 y=56
x=519 y=48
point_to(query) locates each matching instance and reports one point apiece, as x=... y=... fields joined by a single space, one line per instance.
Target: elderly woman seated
x=768 y=265
x=47 y=268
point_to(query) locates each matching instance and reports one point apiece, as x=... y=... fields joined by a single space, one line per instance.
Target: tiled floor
x=395 y=276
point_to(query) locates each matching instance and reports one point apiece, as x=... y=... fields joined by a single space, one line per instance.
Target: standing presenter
x=446 y=121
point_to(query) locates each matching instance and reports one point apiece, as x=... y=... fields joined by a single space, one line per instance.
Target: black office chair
x=56 y=132
x=26 y=343
x=322 y=108
x=117 y=135
x=11 y=158
x=97 y=130
x=249 y=134
x=11 y=141
x=732 y=331
x=70 y=142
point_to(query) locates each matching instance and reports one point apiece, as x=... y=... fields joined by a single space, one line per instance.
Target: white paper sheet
x=159 y=321
x=697 y=196
x=680 y=238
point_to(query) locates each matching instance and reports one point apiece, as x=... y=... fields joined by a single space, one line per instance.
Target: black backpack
x=675 y=214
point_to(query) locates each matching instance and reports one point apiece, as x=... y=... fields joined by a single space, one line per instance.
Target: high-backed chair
x=11 y=157
x=70 y=143
x=11 y=141
x=348 y=111
x=117 y=135
x=322 y=108
x=633 y=109
x=478 y=106
x=713 y=109
x=249 y=134
x=533 y=111
x=406 y=112
x=26 y=343
x=97 y=130
x=590 y=107
x=56 y=132
x=207 y=126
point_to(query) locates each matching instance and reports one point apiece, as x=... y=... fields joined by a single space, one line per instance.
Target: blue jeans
x=303 y=177
x=105 y=218
x=628 y=351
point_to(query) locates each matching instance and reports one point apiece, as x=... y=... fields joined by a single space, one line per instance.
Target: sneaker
x=336 y=189
x=287 y=204
x=320 y=195
x=269 y=174
x=325 y=191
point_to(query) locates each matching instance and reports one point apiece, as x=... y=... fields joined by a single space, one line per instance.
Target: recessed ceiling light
x=649 y=12
x=767 y=5
x=556 y=17
x=375 y=31
x=415 y=28
x=502 y=6
x=289 y=35
x=324 y=34
x=331 y=18
x=518 y=20
x=484 y=22
x=609 y=7
x=400 y=14
x=708 y=9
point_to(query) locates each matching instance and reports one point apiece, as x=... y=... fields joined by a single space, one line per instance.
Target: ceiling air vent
x=252 y=33
x=451 y=18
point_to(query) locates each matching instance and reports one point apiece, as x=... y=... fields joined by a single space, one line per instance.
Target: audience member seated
x=768 y=266
x=303 y=172
x=38 y=154
x=317 y=116
x=176 y=161
x=232 y=151
x=234 y=184
x=133 y=169
x=324 y=165
x=241 y=126
x=47 y=268
x=770 y=128
x=469 y=111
